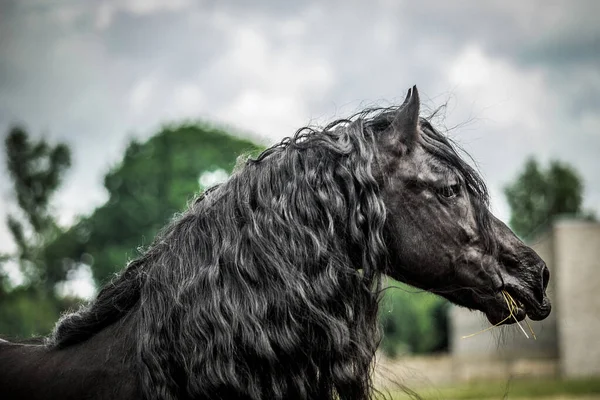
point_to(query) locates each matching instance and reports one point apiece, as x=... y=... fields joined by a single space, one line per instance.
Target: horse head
x=440 y=234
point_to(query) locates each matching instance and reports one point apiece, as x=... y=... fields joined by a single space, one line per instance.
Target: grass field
x=540 y=389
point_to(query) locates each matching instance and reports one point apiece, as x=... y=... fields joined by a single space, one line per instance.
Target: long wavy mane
x=267 y=287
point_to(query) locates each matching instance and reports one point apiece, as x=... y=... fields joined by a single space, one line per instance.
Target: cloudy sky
x=520 y=77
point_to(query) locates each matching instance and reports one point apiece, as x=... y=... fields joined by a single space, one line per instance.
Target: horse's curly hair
x=267 y=287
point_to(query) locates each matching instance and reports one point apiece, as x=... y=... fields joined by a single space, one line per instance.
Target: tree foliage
x=537 y=195
x=413 y=321
x=36 y=169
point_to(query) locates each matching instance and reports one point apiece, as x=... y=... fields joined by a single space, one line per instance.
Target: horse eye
x=449 y=192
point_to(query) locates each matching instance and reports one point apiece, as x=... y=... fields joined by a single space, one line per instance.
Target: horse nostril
x=545 y=276
x=540 y=293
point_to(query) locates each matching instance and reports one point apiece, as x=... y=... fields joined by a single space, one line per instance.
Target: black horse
x=267 y=287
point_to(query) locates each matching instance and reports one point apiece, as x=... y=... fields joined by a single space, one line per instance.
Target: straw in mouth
x=512 y=306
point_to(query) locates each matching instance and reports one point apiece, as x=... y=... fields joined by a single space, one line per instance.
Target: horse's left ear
x=406 y=120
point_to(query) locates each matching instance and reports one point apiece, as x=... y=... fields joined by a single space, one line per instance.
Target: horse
x=268 y=285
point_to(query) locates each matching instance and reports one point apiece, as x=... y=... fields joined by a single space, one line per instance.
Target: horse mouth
x=512 y=305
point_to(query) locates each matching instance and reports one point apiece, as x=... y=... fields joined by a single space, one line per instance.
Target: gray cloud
x=523 y=75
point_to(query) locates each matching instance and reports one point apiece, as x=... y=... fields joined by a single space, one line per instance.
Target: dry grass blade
x=512 y=306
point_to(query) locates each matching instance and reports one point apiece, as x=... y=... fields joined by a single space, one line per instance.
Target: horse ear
x=406 y=120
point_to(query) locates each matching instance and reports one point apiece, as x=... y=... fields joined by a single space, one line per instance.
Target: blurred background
x=115 y=114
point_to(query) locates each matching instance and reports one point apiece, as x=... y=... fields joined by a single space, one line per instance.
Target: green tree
x=36 y=169
x=537 y=195
x=154 y=181
x=412 y=321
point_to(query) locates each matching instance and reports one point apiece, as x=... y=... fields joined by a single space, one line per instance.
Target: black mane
x=278 y=266
x=267 y=287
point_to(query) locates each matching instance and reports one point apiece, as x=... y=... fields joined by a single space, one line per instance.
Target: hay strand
x=512 y=306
